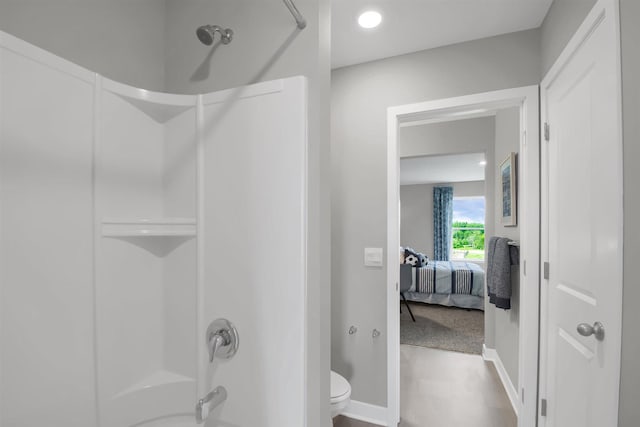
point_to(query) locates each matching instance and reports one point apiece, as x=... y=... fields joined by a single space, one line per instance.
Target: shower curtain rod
x=302 y=23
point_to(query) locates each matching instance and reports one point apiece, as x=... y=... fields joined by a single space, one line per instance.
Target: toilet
x=340 y=395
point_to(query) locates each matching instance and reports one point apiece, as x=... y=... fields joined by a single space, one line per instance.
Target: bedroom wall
x=504 y=324
x=361 y=95
x=120 y=39
x=454 y=137
x=416 y=220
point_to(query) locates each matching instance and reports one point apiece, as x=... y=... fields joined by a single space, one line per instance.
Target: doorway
x=435 y=317
x=526 y=101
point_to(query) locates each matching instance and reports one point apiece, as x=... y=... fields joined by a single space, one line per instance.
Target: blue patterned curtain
x=442 y=221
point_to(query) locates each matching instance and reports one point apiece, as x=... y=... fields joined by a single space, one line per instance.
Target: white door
x=582 y=234
x=253 y=266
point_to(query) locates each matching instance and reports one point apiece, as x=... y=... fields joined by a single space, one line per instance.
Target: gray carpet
x=446 y=328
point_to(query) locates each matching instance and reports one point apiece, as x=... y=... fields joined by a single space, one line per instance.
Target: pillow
x=412 y=257
x=415 y=258
x=424 y=260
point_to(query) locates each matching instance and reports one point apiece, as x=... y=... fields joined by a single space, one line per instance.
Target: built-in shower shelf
x=148 y=227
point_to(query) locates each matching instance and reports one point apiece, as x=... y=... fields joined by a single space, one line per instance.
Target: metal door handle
x=587 y=330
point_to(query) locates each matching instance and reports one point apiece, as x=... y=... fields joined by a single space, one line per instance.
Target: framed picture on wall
x=509 y=190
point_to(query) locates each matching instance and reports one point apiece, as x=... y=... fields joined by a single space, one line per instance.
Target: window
x=467 y=229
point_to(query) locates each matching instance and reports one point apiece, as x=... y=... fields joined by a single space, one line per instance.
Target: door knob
x=586 y=330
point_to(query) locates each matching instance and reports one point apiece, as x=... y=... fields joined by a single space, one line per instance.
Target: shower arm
x=225 y=34
x=302 y=23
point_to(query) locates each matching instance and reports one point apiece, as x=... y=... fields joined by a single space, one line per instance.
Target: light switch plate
x=373 y=257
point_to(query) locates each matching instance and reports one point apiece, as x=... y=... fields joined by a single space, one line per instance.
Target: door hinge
x=546 y=131
x=396 y=286
x=546 y=270
x=543 y=407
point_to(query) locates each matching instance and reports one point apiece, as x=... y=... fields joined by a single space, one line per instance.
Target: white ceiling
x=441 y=169
x=414 y=25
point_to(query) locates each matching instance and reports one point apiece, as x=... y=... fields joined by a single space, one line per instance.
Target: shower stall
x=152 y=250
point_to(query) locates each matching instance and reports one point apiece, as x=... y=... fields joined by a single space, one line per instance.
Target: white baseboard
x=366 y=412
x=491 y=355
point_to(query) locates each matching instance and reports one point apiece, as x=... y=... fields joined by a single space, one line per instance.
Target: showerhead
x=206 y=34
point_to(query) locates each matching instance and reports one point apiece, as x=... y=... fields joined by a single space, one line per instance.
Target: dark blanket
x=500 y=257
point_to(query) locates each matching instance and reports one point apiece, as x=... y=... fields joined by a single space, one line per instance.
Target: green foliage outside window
x=468 y=235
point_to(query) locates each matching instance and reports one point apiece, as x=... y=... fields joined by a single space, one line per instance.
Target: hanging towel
x=501 y=256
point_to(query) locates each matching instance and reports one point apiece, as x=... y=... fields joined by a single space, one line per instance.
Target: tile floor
x=446 y=389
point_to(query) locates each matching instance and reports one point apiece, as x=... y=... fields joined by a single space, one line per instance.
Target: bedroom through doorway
x=442 y=235
x=461 y=174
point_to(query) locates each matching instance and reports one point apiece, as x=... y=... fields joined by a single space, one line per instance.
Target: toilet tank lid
x=339 y=385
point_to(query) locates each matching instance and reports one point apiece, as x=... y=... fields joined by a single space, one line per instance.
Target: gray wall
x=361 y=95
x=454 y=137
x=629 y=373
x=562 y=21
x=416 y=220
x=505 y=323
x=120 y=39
x=267 y=45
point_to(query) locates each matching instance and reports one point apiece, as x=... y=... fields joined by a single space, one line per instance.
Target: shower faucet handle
x=222 y=339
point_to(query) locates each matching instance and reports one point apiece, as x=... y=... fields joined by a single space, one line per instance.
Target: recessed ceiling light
x=369 y=19
x=483 y=163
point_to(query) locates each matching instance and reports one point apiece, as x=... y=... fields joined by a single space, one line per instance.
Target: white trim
x=393 y=270
x=366 y=412
x=248 y=91
x=201 y=387
x=529 y=198
x=491 y=355
x=162 y=98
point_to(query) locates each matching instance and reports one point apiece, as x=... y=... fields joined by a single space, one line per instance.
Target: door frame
x=527 y=99
x=601 y=9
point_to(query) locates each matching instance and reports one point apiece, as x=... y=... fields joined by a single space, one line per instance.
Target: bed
x=450 y=283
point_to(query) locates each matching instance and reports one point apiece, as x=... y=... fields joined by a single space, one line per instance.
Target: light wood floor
x=446 y=389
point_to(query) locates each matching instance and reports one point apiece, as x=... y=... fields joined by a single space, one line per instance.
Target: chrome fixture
x=353 y=330
x=206 y=33
x=210 y=402
x=300 y=21
x=222 y=339
x=586 y=330
x=375 y=333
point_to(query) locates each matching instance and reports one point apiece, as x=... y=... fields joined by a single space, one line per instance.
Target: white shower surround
x=131 y=219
